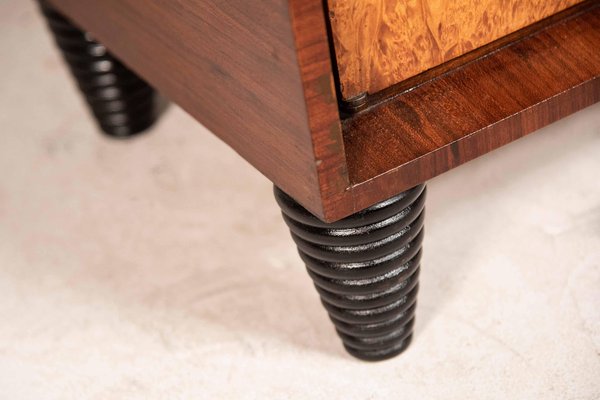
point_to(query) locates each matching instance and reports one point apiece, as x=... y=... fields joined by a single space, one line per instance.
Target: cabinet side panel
x=231 y=64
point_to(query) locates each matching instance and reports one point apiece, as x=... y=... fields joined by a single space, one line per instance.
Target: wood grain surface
x=316 y=69
x=382 y=42
x=475 y=109
x=235 y=67
x=267 y=90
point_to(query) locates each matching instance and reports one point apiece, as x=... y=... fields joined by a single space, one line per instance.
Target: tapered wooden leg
x=121 y=101
x=366 y=269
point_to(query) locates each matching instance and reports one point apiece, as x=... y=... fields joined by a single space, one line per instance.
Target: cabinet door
x=382 y=42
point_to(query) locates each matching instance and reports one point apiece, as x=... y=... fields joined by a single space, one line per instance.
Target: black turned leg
x=121 y=101
x=366 y=269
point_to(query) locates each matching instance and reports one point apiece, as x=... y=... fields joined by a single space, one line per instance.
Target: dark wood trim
x=484 y=51
x=314 y=58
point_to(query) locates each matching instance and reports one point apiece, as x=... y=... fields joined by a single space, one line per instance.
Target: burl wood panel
x=239 y=69
x=382 y=42
x=475 y=109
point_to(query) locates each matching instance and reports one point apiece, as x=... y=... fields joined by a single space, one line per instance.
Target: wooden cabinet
x=379 y=43
x=266 y=77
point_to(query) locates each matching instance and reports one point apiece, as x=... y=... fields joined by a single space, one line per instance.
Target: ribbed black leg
x=121 y=101
x=366 y=269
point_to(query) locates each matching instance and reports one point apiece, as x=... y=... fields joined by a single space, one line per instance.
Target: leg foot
x=121 y=101
x=366 y=269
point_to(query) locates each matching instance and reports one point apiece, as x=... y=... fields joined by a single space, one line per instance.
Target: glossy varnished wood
x=234 y=66
x=314 y=58
x=379 y=43
x=267 y=89
x=475 y=109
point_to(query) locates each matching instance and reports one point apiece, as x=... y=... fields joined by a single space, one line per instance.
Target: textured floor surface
x=160 y=268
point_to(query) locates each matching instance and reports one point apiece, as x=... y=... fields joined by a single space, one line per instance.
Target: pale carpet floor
x=159 y=268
